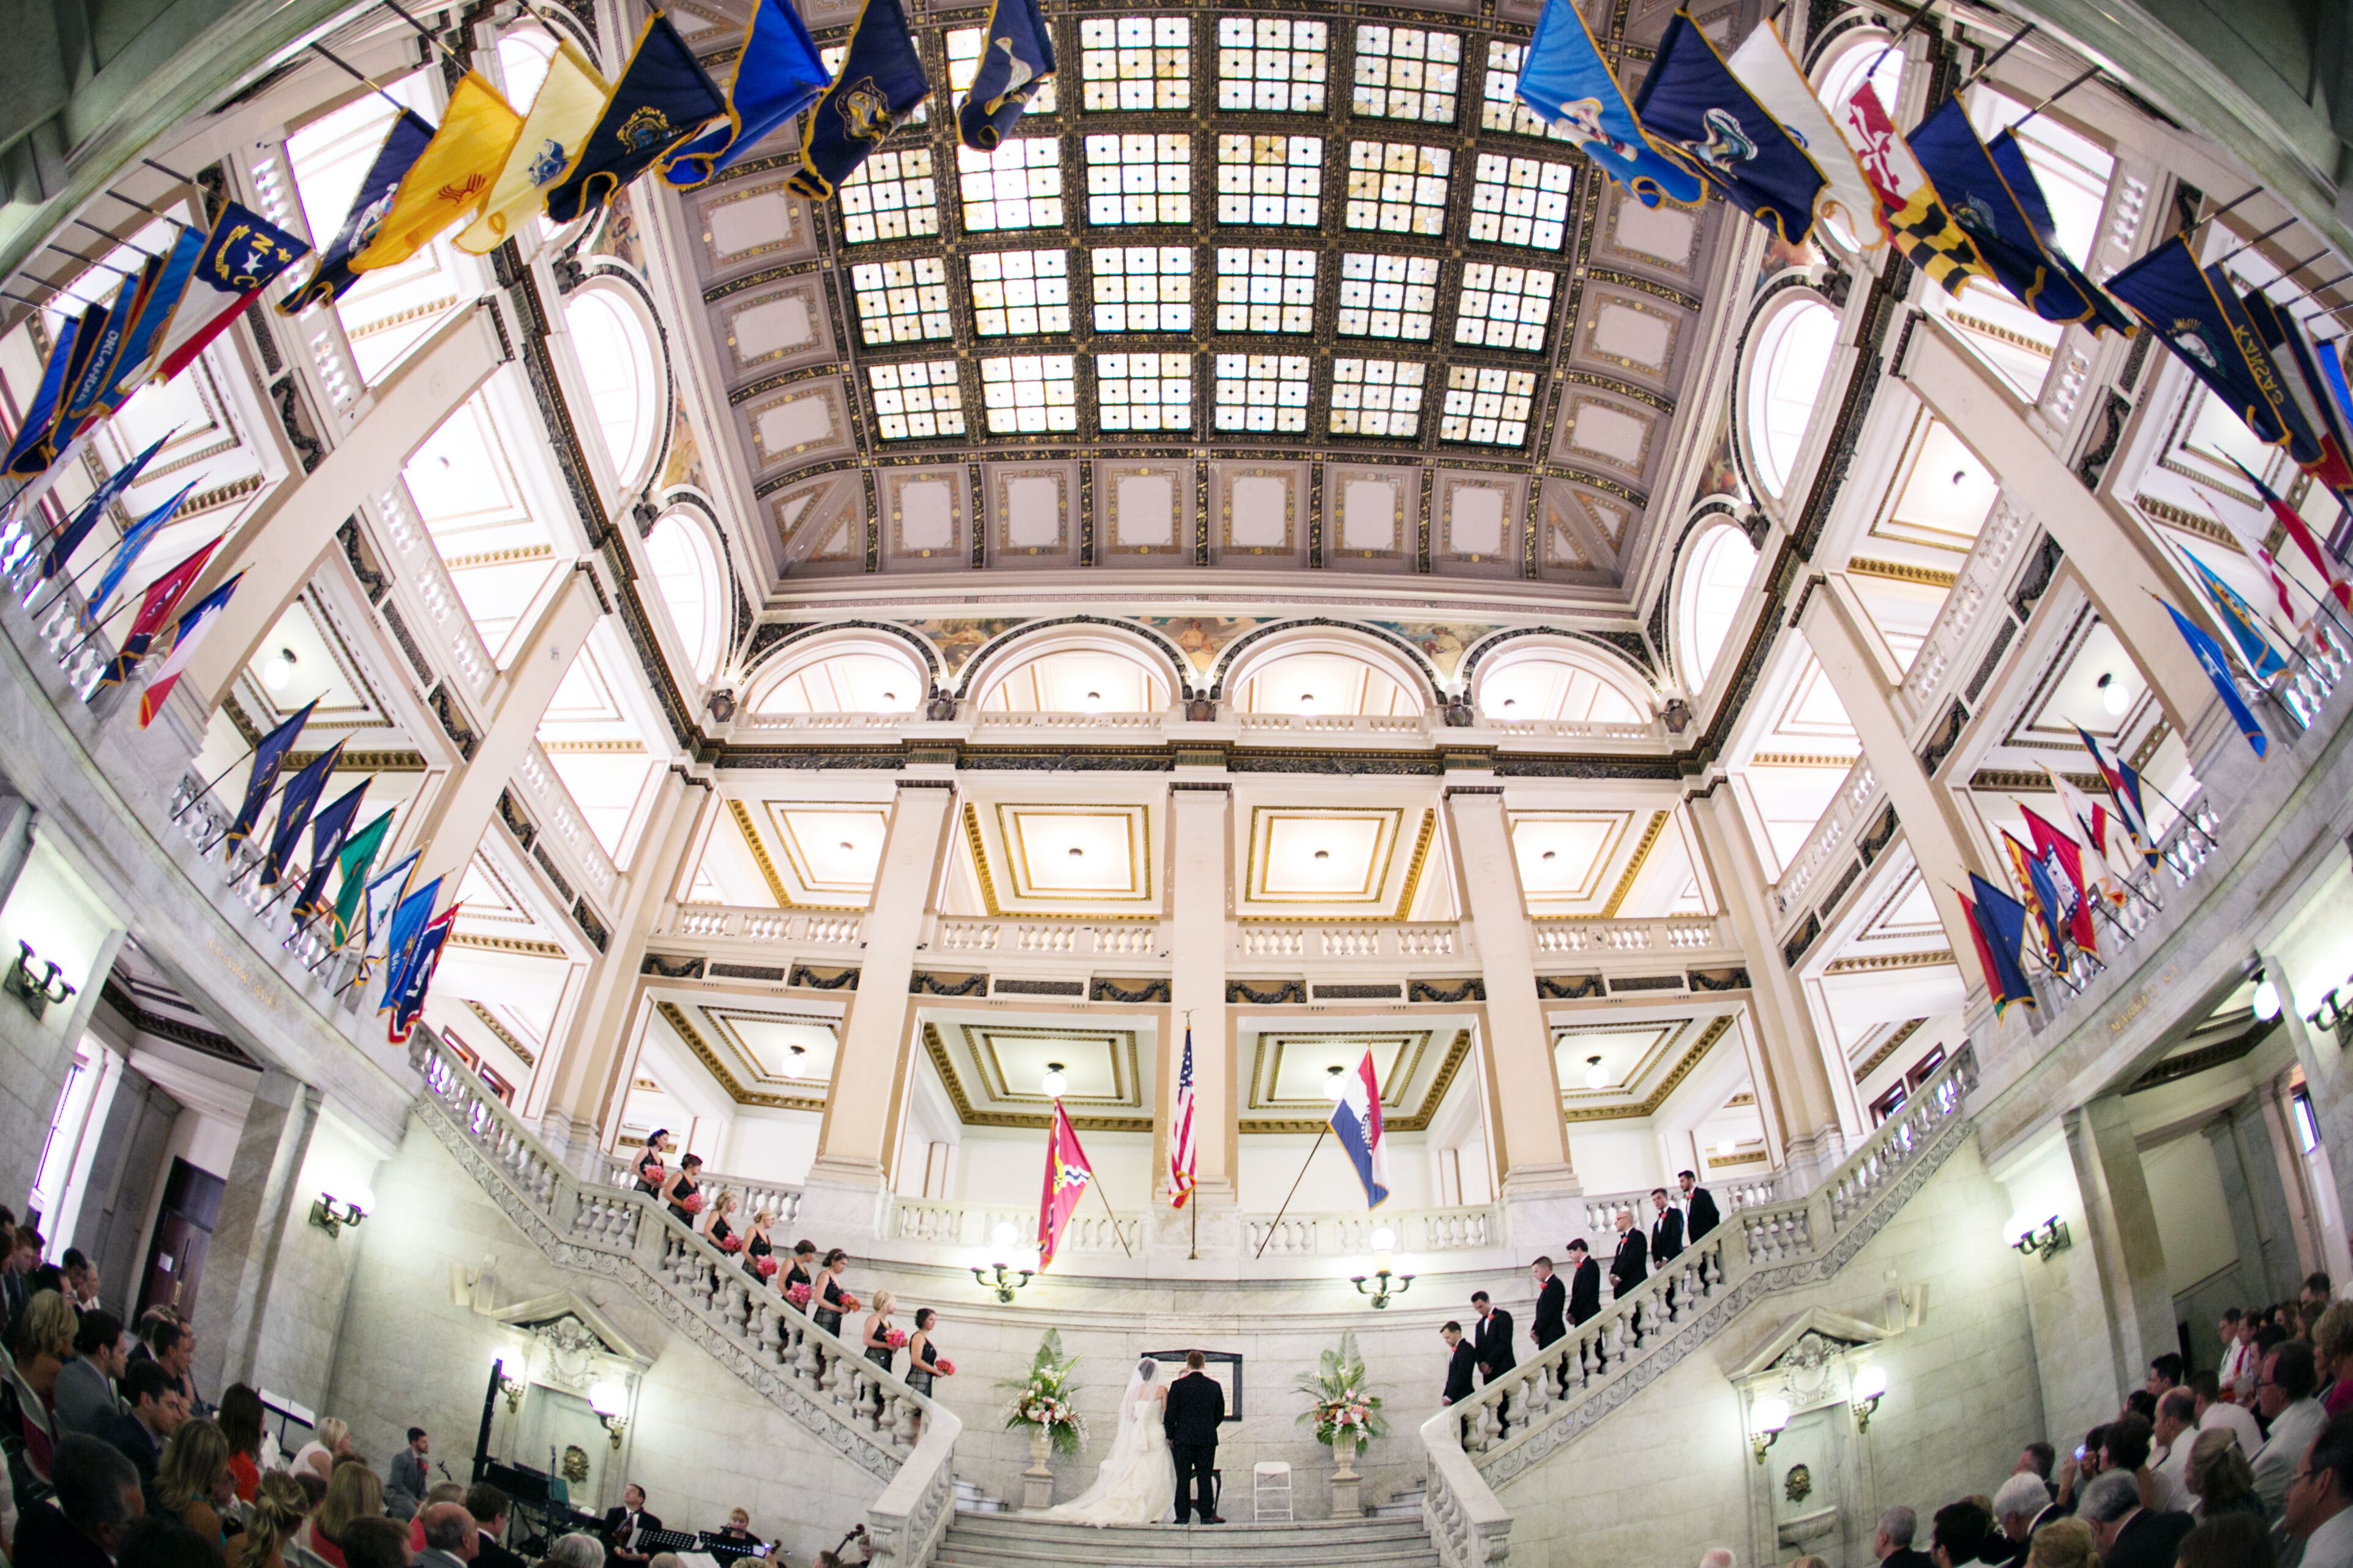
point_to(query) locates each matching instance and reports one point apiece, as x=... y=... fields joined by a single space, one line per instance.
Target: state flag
x=243 y=254
x=1693 y=102
x=1762 y=64
x=408 y=1005
x=1918 y=218
x=187 y=635
x=1998 y=932
x=450 y=179
x=2208 y=654
x=295 y=804
x=1565 y=82
x=162 y=596
x=404 y=144
x=570 y=99
x=1017 y=59
x=778 y=74
x=880 y=82
x=134 y=543
x=268 y=756
x=664 y=96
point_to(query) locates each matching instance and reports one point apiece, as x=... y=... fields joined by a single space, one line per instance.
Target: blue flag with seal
x=777 y=75
x=157 y=304
x=1564 y=82
x=2307 y=399
x=268 y=756
x=77 y=529
x=294 y=808
x=402 y=935
x=2198 y=314
x=134 y=540
x=37 y=444
x=1999 y=922
x=2208 y=654
x=331 y=824
x=1691 y=100
x=408 y=1004
x=880 y=82
x=80 y=403
x=1992 y=192
x=2237 y=619
x=403 y=145
x=664 y=96
x=1016 y=56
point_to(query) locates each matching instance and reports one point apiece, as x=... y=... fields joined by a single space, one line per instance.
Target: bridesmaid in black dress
x=802 y=1270
x=879 y=1348
x=681 y=1187
x=922 y=1356
x=652 y=1173
x=756 y=1245
x=718 y=1231
x=832 y=1300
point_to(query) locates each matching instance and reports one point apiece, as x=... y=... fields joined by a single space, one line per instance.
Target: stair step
x=1024 y=1540
x=1117 y=1553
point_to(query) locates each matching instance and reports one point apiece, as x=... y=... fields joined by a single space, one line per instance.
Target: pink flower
x=691 y=1202
x=945 y=1367
x=895 y=1337
x=849 y=1303
x=766 y=1267
x=732 y=1245
x=798 y=1296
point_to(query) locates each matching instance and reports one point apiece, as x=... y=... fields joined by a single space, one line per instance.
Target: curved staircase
x=1013 y=1541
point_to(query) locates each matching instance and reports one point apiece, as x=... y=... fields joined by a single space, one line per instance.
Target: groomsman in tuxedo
x=1495 y=1350
x=1700 y=1204
x=1585 y=1284
x=1666 y=1229
x=1552 y=1308
x=1462 y=1356
x=1632 y=1264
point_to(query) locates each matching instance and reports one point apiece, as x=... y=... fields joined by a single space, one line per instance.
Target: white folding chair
x=1271 y=1490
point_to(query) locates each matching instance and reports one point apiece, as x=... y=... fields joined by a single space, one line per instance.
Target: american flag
x=1180 y=1132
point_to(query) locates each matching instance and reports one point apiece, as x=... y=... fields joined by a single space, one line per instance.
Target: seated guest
x=354 y=1496
x=42 y=1343
x=2127 y=1450
x=240 y=1418
x=375 y=1542
x=2216 y=1411
x=2164 y=1376
x=438 y=1492
x=489 y=1508
x=2220 y=1480
x=449 y=1536
x=2035 y=1460
x=173 y=1347
x=2128 y=1535
x=1959 y=1533
x=2320 y=1497
x=2090 y=1459
x=192 y=1476
x=330 y=1440
x=81 y=1278
x=2232 y=1540
x=83 y=1522
x=85 y=1392
x=2175 y=1430
x=2022 y=1507
x=274 y=1514
x=156 y=1410
x=2293 y=1418
x=577 y=1550
x=622 y=1525
x=2332 y=1349
x=1892 y=1542
x=2062 y=1543
x=405 y=1482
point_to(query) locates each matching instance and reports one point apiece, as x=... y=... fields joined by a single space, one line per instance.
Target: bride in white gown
x=1136 y=1483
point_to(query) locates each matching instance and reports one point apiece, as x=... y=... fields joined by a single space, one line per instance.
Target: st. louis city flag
x=1066 y=1175
x=1564 y=82
x=1181 y=1149
x=1356 y=1123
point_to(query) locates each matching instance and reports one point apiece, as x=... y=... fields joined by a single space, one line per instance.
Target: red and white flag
x=1180 y=1131
x=186 y=637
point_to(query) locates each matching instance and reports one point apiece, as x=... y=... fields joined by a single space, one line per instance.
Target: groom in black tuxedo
x=1196 y=1406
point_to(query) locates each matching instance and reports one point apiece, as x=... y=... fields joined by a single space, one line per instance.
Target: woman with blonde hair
x=2332 y=1347
x=2220 y=1479
x=716 y=1229
x=882 y=1341
x=279 y=1508
x=2062 y=1543
x=330 y=1440
x=44 y=1341
x=192 y=1475
x=352 y=1492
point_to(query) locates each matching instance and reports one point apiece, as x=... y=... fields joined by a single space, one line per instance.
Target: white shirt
x=2169 y=1481
x=2275 y=1464
x=2235 y=1419
x=2331 y=1546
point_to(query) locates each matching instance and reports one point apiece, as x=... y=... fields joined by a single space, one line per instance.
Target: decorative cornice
x=1888 y=1048
x=1901 y=571
x=676 y=1018
x=1873 y=963
x=163 y=1027
x=1666 y=1085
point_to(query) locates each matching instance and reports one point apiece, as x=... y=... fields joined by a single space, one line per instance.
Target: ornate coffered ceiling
x=1415 y=1059
x=993 y=1069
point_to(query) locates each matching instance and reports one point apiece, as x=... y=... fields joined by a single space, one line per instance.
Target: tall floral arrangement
x=1339 y=1398
x=1041 y=1397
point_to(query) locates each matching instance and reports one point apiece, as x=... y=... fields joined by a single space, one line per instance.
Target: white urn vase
x=1037 y=1480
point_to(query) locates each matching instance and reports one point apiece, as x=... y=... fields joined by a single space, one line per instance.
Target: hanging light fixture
x=2113 y=697
x=1333 y=1087
x=1595 y=1075
x=1091 y=702
x=277 y=669
x=1056 y=1083
x=792 y=1054
x=2267 y=998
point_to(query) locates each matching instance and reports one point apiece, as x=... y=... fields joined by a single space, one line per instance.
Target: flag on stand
x=331 y=824
x=1066 y=1175
x=2306 y=541
x=1357 y=1122
x=1181 y=1151
x=777 y=75
x=450 y=179
x=1917 y=217
x=2091 y=819
x=187 y=635
x=2124 y=790
x=268 y=756
x=569 y=102
x=409 y=1005
x=2208 y=654
x=163 y=597
x=664 y=96
x=1564 y=81
x=404 y=144
x=243 y=254
x=36 y=446
x=294 y=808
x=1691 y=100
x=1016 y=59
x=69 y=539
x=2039 y=892
x=1762 y=63
x=2238 y=618
x=402 y=935
x=880 y=82
x=353 y=859
x=2062 y=860
x=381 y=902
x=1998 y=931
x=127 y=551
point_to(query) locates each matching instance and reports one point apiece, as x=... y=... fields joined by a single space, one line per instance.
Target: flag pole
x=1321 y=1134
x=1097 y=1185
x=358 y=76
x=2054 y=97
x=424 y=32
x=1987 y=63
x=2235 y=201
x=2274 y=228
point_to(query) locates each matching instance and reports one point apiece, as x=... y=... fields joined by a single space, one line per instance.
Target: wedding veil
x=1129 y=1442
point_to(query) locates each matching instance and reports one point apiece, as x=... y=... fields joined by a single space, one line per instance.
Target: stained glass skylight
x=902 y=301
x=1019 y=185
x=1406 y=73
x=1398 y=187
x=1266 y=290
x=1142 y=288
x=1387 y=296
x=1272 y=64
x=1270 y=180
x=1020 y=292
x=1520 y=201
x=1136 y=62
x=1139 y=179
x=892 y=196
x=1261 y=392
x=1486 y=406
x=1504 y=307
x=918 y=400
x=1377 y=396
x=1030 y=393
x=1145 y=391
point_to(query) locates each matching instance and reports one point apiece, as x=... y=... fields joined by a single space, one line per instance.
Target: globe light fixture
x=1595 y=1075
x=2267 y=999
x=2113 y=697
x=1056 y=1083
x=1870 y=1388
x=609 y=1400
x=998 y=1276
x=277 y=669
x=793 y=1063
x=1092 y=703
x=1768 y=1416
x=1334 y=1087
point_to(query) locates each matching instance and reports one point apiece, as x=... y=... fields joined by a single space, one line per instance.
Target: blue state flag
x=134 y=541
x=664 y=96
x=1997 y=200
x=403 y=145
x=2209 y=657
x=36 y=446
x=80 y=402
x=1016 y=56
x=294 y=808
x=2197 y=312
x=330 y=826
x=157 y=303
x=2000 y=924
x=881 y=81
x=777 y=75
x=2309 y=401
x=1691 y=100
x=403 y=936
x=268 y=756
x=1564 y=82
x=408 y=1004
x=77 y=529
x=2237 y=619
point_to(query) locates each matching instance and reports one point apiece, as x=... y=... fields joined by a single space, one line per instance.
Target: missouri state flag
x=1066 y=1175
x=1356 y=1123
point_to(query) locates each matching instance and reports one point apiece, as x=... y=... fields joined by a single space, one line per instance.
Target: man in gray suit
x=85 y=1392
x=403 y=1489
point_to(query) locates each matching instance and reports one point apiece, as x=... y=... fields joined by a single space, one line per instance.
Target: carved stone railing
x=949 y=1222
x=984 y=722
x=1673 y=934
x=1944 y=653
x=1569 y=729
x=812 y=928
x=1559 y=1392
x=819 y=723
x=1385 y=725
x=853 y=1406
x=1830 y=835
x=753 y=1193
x=1013 y=937
x=561 y=818
x=1601 y=1208
x=1401 y=941
x=1347 y=1235
x=421 y=584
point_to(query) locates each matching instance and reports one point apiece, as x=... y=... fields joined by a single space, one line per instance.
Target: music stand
x=652 y=1540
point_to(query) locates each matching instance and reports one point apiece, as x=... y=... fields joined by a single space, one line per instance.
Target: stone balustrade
x=1559 y=1393
x=1601 y=1208
x=1015 y=937
x=806 y=927
x=947 y=1222
x=753 y=1193
x=1676 y=934
x=552 y=804
x=1358 y=1235
x=1389 y=941
x=1849 y=806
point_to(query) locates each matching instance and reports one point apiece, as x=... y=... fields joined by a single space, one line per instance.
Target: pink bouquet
x=849 y=1303
x=945 y=1367
x=798 y=1296
x=766 y=1267
x=691 y=1202
x=734 y=1243
x=895 y=1337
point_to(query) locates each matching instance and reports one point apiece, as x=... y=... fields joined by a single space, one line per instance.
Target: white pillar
x=1200 y=860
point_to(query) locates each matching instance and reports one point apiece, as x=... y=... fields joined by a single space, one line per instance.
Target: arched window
x=1079 y=680
x=623 y=375
x=1323 y=684
x=1715 y=577
x=1785 y=367
x=687 y=574
x=523 y=54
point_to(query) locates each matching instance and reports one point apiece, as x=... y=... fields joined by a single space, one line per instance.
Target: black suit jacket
x=44 y=1535
x=1196 y=1406
x=488 y=1554
x=619 y=1528
x=1585 y=1293
x=1552 y=1303
x=2149 y=1541
x=1909 y=1558
x=1632 y=1266
x=1666 y=1234
x=128 y=1432
x=1459 y=1367
x=1493 y=1341
x=1703 y=1217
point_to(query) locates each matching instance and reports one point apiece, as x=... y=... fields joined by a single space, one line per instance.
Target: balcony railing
x=1602 y=1209
x=1672 y=935
x=1404 y=942
x=811 y=927
x=1348 y=1235
x=1830 y=837
x=1014 y=937
x=947 y=1222
x=1946 y=653
x=782 y=1199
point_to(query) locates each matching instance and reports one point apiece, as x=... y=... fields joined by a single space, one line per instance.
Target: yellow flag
x=569 y=104
x=450 y=179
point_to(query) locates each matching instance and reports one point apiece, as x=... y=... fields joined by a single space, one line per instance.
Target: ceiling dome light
x=792 y=1054
x=277 y=669
x=1307 y=702
x=1511 y=702
x=1551 y=854
x=1383 y=1240
x=1960 y=476
x=1595 y=1075
x=2267 y=1001
x=1056 y=1083
x=845 y=843
x=1334 y=1085
x=1004 y=1235
x=1077 y=853
x=2113 y=697
x=1322 y=854
x=1091 y=702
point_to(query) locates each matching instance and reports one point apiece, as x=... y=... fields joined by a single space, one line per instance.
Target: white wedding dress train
x=1137 y=1481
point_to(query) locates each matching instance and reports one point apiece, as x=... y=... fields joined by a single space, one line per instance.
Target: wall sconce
x=1870 y=1388
x=2047 y=1242
x=1768 y=1416
x=609 y=1400
x=36 y=994
x=330 y=1217
x=1003 y=1280
x=1383 y=1243
x=513 y=1388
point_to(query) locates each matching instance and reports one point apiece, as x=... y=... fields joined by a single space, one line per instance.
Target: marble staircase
x=1016 y=1540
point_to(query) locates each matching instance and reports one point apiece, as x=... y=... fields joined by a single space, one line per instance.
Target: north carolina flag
x=450 y=179
x=243 y=254
x=1066 y=1175
x=1356 y=1122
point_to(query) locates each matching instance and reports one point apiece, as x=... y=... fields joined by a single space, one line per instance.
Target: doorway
x=183 y=1230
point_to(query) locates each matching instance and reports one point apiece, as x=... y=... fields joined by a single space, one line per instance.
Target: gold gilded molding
x=1657 y=1097
x=693 y=1040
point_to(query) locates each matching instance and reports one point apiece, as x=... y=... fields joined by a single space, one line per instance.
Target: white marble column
x=1200 y=863
x=259 y=1201
x=1530 y=1139
x=1811 y=1119
x=847 y=1189
x=2328 y=1082
x=278 y=545
x=2125 y=1241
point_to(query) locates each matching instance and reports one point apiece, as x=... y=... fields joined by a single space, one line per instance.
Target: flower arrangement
x=691 y=1202
x=1339 y=1397
x=798 y=1296
x=1041 y=1397
x=764 y=1267
x=730 y=1244
x=945 y=1367
x=850 y=1303
x=896 y=1339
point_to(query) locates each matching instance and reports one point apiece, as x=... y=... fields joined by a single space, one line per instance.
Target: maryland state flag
x=1924 y=230
x=777 y=75
x=1998 y=932
x=880 y=83
x=1691 y=99
x=570 y=99
x=450 y=179
x=1565 y=82
x=404 y=144
x=1016 y=58
x=663 y=97
x=2198 y=313
x=243 y=254
x=1066 y=1175
x=1992 y=195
